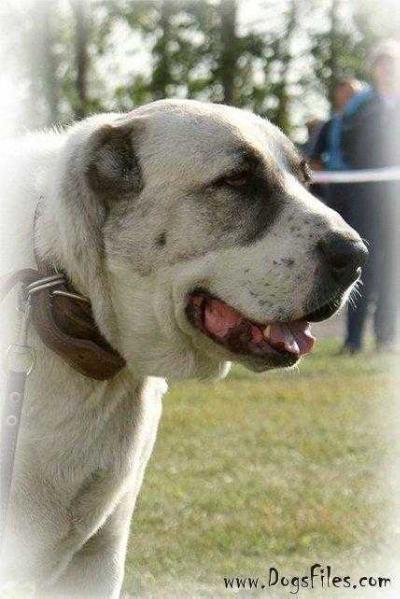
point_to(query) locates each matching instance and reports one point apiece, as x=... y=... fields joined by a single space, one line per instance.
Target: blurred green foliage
x=268 y=56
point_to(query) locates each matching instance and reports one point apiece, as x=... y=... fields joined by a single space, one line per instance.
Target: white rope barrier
x=390 y=173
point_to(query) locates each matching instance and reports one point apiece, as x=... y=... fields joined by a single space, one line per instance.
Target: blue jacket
x=329 y=144
x=371 y=131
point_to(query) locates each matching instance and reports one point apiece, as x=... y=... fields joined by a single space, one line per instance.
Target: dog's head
x=197 y=240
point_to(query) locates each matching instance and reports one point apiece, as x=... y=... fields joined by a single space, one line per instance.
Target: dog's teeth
x=267 y=332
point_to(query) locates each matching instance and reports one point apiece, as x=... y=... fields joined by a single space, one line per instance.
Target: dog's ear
x=113 y=168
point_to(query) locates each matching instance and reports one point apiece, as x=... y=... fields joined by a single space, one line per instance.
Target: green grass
x=281 y=469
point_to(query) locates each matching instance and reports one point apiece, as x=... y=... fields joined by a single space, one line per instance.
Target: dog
x=190 y=228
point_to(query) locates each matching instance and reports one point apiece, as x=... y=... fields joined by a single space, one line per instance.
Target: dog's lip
x=284 y=342
x=325 y=310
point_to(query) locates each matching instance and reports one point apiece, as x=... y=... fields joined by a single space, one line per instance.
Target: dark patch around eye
x=248 y=162
x=247 y=211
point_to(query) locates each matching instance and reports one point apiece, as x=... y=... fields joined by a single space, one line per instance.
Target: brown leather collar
x=66 y=325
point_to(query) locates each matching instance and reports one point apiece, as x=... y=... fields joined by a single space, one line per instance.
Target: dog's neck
x=34 y=183
x=58 y=242
x=40 y=239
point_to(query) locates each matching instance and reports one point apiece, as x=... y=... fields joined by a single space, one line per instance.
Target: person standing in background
x=327 y=152
x=313 y=126
x=370 y=138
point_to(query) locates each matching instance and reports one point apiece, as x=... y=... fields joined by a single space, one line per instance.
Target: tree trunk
x=162 y=76
x=229 y=50
x=80 y=11
x=282 y=118
x=334 y=50
x=43 y=106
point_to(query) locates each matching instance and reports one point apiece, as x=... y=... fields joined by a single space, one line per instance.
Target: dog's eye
x=237 y=180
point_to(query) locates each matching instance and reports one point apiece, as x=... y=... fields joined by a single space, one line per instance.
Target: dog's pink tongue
x=294 y=337
x=302 y=331
x=220 y=318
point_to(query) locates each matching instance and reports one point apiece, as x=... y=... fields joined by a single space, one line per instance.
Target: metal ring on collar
x=45 y=283
x=75 y=296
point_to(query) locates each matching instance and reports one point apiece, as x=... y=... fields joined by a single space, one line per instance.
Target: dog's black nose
x=344 y=256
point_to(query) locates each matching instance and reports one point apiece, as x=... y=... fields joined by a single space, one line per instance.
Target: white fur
x=84 y=445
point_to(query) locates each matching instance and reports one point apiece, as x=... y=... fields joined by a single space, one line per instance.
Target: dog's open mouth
x=240 y=335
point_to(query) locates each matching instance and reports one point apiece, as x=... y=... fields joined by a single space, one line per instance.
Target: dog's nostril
x=344 y=256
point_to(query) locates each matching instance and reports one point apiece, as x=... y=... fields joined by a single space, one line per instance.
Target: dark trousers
x=374 y=213
x=377 y=289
